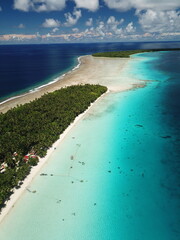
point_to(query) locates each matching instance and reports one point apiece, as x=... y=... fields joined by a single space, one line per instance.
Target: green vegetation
x=126 y=54
x=32 y=128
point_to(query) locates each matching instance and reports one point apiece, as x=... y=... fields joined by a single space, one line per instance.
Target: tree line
x=127 y=53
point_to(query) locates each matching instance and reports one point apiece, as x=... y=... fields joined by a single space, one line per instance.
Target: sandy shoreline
x=104 y=71
x=35 y=170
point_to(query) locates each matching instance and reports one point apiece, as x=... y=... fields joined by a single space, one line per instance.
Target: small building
x=26 y=158
x=3 y=167
x=15 y=154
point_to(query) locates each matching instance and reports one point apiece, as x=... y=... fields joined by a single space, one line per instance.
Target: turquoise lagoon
x=115 y=175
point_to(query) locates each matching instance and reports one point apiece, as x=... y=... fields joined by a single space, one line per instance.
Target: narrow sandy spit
x=103 y=71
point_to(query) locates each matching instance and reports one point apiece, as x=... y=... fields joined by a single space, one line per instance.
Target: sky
x=62 y=21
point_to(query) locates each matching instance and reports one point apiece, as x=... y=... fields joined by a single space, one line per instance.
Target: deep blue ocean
x=124 y=181
x=25 y=67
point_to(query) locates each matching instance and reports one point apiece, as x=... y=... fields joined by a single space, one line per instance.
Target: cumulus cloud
x=23 y=5
x=154 y=16
x=89 y=22
x=130 y=28
x=170 y=34
x=72 y=19
x=18 y=37
x=39 y=5
x=21 y=25
x=51 y=23
x=101 y=29
x=91 y=5
x=112 y=21
x=159 y=21
x=55 y=30
x=75 y=30
x=53 y=5
x=38 y=35
x=112 y=28
x=48 y=35
x=113 y=24
x=124 y=5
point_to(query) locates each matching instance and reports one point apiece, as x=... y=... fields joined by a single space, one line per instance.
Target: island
x=128 y=53
x=29 y=130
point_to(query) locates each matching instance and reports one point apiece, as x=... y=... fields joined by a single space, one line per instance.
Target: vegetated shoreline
x=80 y=74
x=63 y=80
x=67 y=78
x=37 y=92
x=87 y=62
x=128 y=53
x=36 y=169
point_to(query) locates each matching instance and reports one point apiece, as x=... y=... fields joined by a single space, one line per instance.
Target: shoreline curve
x=106 y=71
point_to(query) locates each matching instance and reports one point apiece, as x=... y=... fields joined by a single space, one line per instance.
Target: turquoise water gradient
x=117 y=185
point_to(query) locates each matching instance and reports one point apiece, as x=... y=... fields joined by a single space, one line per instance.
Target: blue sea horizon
x=123 y=180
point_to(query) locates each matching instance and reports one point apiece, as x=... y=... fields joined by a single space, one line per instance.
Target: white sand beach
x=103 y=71
x=35 y=170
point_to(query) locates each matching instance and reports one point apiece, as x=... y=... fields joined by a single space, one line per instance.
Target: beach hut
x=15 y=154
x=3 y=167
x=26 y=158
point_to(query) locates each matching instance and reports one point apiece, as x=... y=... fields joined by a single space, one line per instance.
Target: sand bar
x=104 y=71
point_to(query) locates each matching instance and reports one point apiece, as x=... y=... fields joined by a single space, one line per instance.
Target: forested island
x=28 y=131
x=128 y=53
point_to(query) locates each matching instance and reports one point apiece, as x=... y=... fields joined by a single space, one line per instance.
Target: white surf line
x=44 y=85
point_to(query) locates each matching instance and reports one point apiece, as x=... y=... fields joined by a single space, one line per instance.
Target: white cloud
x=123 y=5
x=23 y=5
x=66 y=37
x=113 y=24
x=112 y=29
x=170 y=34
x=55 y=30
x=51 y=23
x=76 y=30
x=112 y=21
x=154 y=15
x=48 y=35
x=21 y=25
x=130 y=28
x=101 y=29
x=0 y=8
x=89 y=22
x=53 y=5
x=39 y=5
x=160 y=21
x=91 y=5
x=38 y=35
x=72 y=19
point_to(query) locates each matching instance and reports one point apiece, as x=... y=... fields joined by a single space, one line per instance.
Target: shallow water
x=115 y=175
